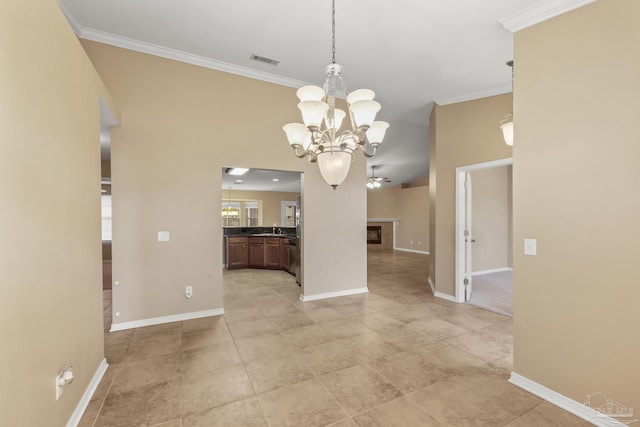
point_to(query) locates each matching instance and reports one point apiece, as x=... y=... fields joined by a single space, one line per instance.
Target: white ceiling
x=263 y=180
x=410 y=52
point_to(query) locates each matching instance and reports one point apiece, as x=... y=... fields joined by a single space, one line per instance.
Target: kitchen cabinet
x=236 y=252
x=272 y=253
x=264 y=252
x=256 y=252
x=284 y=254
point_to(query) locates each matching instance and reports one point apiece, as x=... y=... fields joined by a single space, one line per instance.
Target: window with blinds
x=106 y=218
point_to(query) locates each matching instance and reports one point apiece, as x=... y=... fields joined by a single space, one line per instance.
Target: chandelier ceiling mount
x=320 y=139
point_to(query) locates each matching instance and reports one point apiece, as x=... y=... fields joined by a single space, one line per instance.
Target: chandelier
x=320 y=139
x=229 y=211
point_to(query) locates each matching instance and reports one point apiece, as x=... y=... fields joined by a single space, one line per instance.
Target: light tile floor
x=396 y=356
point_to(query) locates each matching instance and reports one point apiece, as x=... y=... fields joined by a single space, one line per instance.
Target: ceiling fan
x=374 y=181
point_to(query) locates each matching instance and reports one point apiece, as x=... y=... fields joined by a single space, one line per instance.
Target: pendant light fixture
x=506 y=124
x=230 y=212
x=319 y=139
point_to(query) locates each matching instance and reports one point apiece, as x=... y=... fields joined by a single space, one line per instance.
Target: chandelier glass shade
x=322 y=138
x=506 y=125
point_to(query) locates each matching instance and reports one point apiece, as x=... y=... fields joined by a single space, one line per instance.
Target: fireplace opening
x=374 y=234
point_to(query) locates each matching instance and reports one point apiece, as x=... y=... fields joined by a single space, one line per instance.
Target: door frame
x=461 y=205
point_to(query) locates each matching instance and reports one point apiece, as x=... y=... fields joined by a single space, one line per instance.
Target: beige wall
x=181 y=124
x=410 y=206
x=466 y=133
x=271 y=203
x=575 y=183
x=50 y=251
x=382 y=203
x=491 y=210
x=433 y=167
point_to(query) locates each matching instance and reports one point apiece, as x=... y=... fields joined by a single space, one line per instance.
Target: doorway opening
x=483 y=235
x=261 y=228
x=107 y=120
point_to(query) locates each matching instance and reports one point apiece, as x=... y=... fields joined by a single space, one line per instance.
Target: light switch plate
x=530 y=247
x=163 y=236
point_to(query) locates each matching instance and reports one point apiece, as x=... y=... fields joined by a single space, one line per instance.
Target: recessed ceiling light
x=275 y=180
x=237 y=171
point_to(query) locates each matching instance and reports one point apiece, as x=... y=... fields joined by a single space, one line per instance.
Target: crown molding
x=540 y=12
x=189 y=58
x=500 y=90
x=174 y=54
x=73 y=22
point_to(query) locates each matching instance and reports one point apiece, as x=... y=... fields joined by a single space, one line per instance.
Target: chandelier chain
x=333 y=32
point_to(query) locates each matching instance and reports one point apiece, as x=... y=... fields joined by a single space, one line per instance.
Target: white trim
x=446 y=296
x=440 y=294
x=411 y=250
x=562 y=401
x=306 y=298
x=459 y=218
x=540 y=12
x=395 y=240
x=495 y=270
x=73 y=22
x=487 y=165
x=188 y=58
x=165 y=319
x=88 y=394
x=476 y=95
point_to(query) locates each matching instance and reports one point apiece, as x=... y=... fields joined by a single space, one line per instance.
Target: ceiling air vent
x=266 y=60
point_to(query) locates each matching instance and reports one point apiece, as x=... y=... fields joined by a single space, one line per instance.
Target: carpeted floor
x=494 y=292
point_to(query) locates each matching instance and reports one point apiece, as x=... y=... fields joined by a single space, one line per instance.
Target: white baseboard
x=440 y=294
x=165 y=319
x=495 y=270
x=411 y=250
x=578 y=409
x=433 y=288
x=88 y=394
x=445 y=296
x=315 y=297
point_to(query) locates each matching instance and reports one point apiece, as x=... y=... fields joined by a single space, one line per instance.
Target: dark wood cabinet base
x=258 y=252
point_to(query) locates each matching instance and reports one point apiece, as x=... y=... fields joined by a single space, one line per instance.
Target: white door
x=468 y=239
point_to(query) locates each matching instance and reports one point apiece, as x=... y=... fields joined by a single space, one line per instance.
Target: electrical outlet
x=188 y=291
x=411 y=242
x=419 y=243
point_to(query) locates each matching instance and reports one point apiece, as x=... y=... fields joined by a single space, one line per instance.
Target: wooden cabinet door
x=237 y=255
x=236 y=252
x=272 y=253
x=256 y=252
x=284 y=254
